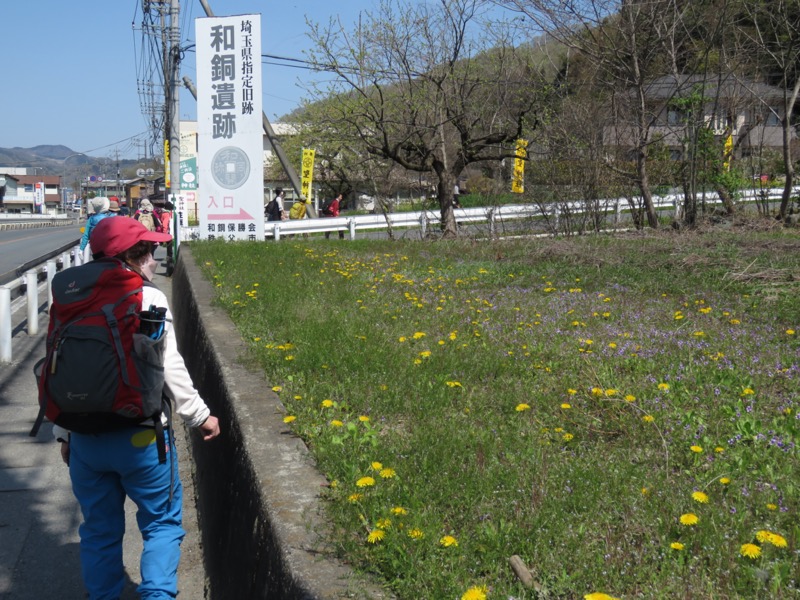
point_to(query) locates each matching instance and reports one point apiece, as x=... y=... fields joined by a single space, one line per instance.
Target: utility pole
x=173 y=108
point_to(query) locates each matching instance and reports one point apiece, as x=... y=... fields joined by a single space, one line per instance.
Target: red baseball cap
x=113 y=235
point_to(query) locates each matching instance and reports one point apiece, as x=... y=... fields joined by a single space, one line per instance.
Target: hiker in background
x=108 y=466
x=274 y=210
x=298 y=211
x=100 y=210
x=331 y=209
x=147 y=216
x=113 y=206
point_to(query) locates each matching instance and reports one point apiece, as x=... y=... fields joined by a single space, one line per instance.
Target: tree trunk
x=444 y=194
x=644 y=188
x=788 y=166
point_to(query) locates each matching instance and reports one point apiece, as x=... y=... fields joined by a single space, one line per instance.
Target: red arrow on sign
x=243 y=215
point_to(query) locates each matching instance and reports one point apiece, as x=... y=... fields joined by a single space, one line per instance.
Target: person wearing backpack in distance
x=274 y=209
x=102 y=209
x=148 y=216
x=107 y=466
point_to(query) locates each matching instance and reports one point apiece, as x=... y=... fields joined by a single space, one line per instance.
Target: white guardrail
x=30 y=299
x=490 y=215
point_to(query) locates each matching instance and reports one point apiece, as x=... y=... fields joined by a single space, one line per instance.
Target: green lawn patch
x=619 y=412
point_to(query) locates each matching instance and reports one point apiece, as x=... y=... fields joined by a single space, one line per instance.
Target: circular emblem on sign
x=230 y=167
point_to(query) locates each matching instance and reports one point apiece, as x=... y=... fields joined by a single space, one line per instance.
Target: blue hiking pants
x=106 y=467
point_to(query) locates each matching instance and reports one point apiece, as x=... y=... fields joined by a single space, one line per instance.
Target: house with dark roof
x=749 y=111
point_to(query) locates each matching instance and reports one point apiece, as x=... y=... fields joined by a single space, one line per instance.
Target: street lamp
x=64 y=171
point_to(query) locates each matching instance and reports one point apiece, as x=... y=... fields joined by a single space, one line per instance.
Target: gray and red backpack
x=103 y=369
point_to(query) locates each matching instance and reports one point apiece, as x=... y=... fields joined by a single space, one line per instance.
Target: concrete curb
x=258 y=488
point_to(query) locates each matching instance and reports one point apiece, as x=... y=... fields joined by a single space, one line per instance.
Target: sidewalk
x=39 y=517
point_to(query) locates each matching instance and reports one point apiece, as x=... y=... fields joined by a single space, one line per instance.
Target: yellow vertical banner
x=307 y=173
x=518 y=178
x=166 y=166
x=727 y=151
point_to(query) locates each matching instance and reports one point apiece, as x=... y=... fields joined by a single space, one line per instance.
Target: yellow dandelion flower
x=522 y=407
x=599 y=596
x=735 y=322
x=645 y=491
x=327 y=403
x=771 y=506
x=648 y=418
x=453 y=384
x=572 y=392
x=719 y=449
x=689 y=519
x=566 y=406
x=399 y=510
x=696 y=449
x=363 y=418
x=353 y=498
x=290 y=357
x=419 y=335
x=337 y=423
x=416 y=534
x=700 y=497
x=448 y=541
x=763 y=535
x=790 y=332
x=384 y=523
x=676 y=546
x=724 y=480
x=276 y=388
x=298 y=397
x=612 y=345
x=630 y=398
x=476 y=592
x=663 y=386
x=777 y=540
x=402 y=339
x=289 y=418
x=365 y=482
x=750 y=551
x=596 y=391
x=387 y=473
x=567 y=437
x=377 y=466
x=375 y=536
x=417 y=361
x=699 y=334
x=611 y=392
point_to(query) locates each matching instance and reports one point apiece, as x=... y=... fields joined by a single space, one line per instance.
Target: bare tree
x=627 y=44
x=429 y=87
x=774 y=30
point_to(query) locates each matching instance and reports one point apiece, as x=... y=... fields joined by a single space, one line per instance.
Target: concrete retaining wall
x=257 y=486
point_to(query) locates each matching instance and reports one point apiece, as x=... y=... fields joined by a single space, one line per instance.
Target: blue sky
x=71 y=67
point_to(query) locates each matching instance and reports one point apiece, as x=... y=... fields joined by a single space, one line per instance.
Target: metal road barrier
x=492 y=216
x=23 y=285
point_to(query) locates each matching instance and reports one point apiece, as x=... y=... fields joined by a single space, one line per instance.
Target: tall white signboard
x=229 y=128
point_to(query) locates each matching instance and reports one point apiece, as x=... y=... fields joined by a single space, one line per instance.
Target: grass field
x=619 y=412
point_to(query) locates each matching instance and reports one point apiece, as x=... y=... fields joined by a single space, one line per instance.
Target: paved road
x=18 y=246
x=39 y=517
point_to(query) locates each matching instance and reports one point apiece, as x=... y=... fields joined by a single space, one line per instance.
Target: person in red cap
x=106 y=467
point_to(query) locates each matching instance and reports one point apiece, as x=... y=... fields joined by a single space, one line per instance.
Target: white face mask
x=148 y=267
